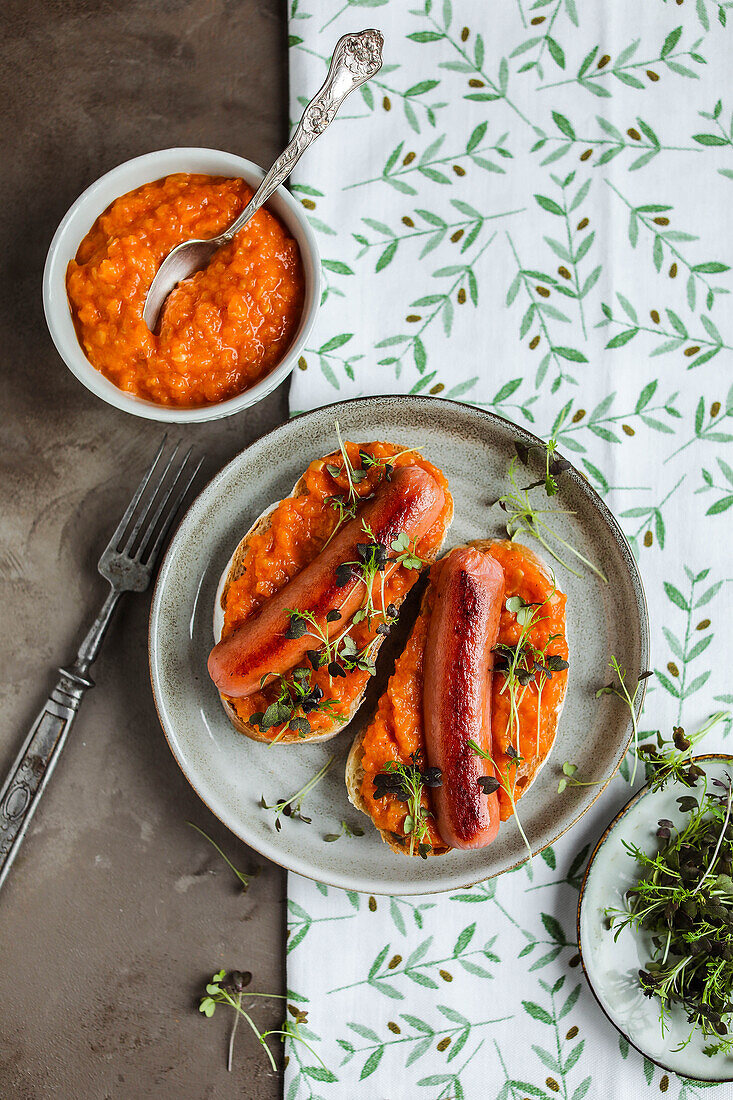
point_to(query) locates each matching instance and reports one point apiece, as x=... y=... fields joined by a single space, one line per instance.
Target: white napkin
x=439 y=183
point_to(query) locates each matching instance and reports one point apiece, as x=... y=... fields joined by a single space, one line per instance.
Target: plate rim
x=491 y=419
x=605 y=835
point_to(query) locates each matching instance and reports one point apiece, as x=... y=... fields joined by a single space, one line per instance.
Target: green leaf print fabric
x=529 y=209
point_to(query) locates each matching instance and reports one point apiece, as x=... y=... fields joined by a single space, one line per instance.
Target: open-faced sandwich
x=471 y=712
x=314 y=586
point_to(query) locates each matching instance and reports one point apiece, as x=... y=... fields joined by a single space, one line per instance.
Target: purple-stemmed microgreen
x=293 y=806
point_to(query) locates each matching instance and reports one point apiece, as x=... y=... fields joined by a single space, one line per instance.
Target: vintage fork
x=127 y=564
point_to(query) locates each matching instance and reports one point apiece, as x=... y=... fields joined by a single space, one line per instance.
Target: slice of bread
x=528 y=770
x=234 y=569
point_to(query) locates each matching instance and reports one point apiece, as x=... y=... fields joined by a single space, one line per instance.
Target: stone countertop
x=115 y=912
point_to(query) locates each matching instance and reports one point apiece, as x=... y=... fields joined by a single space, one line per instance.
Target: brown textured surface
x=115 y=911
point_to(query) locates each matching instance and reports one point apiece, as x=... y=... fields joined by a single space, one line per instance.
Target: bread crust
x=233 y=571
x=530 y=770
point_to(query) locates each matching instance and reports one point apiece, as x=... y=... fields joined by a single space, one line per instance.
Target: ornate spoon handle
x=356 y=59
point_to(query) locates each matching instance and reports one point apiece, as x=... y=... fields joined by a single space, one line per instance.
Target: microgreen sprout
x=328 y=655
x=368 y=461
x=345 y=830
x=621 y=691
x=545 y=665
x=670 y=757
x=521 y=609
x=387 y=464
x=568 y=778
x=292 y=807
x=351 y=658
x=346 y=509
x=228 y=988
x=522 y=665
x=525 y=519
x=244 y=879
x=374 y=561
x=504 y=780
x=403 y=555
x=371 y=562
x=407 y=782
x=684 y=900
x=667 y=758
x=355 y=474
x=555 y=464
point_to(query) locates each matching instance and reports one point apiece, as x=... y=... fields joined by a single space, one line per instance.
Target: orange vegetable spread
x=222 y=330
x=299 y=527
x=396 y=731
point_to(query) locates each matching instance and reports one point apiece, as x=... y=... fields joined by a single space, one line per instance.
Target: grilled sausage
x=410 y=502
x=463 y=629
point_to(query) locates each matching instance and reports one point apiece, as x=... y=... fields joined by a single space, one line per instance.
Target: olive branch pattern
x=597 y=66
x=527 y=210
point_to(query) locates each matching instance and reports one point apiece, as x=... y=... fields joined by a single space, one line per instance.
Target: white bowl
x=94 y=201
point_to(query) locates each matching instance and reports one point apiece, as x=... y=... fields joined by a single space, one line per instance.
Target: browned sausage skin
x=410 y=502
x=457 y=694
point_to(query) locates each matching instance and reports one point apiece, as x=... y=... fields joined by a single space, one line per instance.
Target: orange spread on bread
x=298 y=528
x=396 y=731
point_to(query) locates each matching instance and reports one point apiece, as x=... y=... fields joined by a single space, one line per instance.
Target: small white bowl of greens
x=655 y=916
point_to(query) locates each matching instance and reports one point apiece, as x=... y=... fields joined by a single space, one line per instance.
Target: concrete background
x=115 y=912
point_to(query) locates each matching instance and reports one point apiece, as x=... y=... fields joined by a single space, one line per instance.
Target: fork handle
x=27 y=778
x=35 y=762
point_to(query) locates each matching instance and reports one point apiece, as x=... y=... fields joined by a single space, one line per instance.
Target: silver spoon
x=357 y=57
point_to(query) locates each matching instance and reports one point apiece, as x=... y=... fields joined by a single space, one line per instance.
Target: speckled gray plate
x=231 y=773
x=612 y=967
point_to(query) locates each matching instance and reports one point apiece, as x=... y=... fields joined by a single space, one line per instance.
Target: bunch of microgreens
x=339 y=653
x=296 y=697
x=373 y=560
x=684 y=899
x=406 y=782
x=506 y=781
x=292 y=807
x=524 y=518
x=228 y=988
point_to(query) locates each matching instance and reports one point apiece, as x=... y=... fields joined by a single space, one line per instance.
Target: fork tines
x=163 y=487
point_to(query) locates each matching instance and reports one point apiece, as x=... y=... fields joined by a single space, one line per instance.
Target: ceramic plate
x=612 y=967
x=232 y=773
